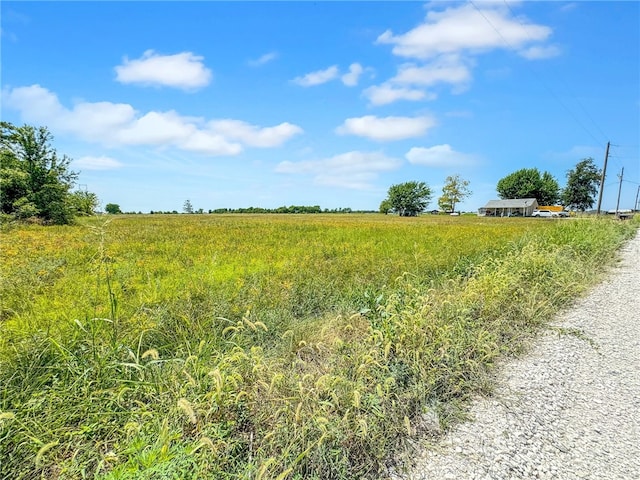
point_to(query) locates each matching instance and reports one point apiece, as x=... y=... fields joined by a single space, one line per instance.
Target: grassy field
x=265 y=347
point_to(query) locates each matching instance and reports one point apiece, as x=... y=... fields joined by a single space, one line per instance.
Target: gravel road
x=568 y=409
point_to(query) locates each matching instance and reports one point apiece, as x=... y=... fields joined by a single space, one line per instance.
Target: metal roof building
x=521 y=207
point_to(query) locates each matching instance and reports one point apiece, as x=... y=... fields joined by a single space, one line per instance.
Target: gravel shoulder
x=568 y=409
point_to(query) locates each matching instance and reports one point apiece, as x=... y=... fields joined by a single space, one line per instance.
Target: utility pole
x=604 y=173
x=637 y=194
x=619 y=190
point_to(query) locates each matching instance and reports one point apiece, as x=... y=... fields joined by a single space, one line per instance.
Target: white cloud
x=92 y=121
x=387 y=93
x=318 y=77
x=253 y=135
x=97 y=163
x=353 y=170
x=538 y=52
x=182 y=70
x=156 y=128
x=264 y=59
x=411 y=79
x=568 y=7
x=448 y=41
x=351 y=79
x=209 y=143
x=446 y=69
x=439 y=156
x=117 y=124
x=465 y=28
x=386 y=128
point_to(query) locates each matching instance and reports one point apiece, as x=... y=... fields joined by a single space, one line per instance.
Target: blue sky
x=240 y=104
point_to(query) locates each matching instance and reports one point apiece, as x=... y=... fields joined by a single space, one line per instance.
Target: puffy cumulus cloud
x=388 y=93
x=209 y=143
x=117 y=124
x=351 y=78
x=318 y=77
x=263 y=60
x=444 y=47
x=255 y=136
x=97 y=163
x=182 y=70
x=447 y=69
x=466 y=28
x=412 y=79
x=354 y=170
x=440 y=156
x=386 y=128
x=91 y=121
x=156 y=128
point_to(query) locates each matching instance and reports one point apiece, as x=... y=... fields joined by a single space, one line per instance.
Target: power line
x=536 y=74
x=584 y=110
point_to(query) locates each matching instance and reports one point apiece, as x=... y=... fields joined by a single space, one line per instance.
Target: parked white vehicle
x=544 y=213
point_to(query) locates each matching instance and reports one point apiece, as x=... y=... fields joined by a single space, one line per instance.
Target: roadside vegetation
x=265 y=347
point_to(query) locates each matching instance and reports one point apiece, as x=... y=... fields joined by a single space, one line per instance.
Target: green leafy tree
x=454 y=191
x=385 y=206
x=582 y=185
x=188 y=207
x=409 y=198
x=34 y=180
x=112 y=208
x=529 y=183
x=84 y=203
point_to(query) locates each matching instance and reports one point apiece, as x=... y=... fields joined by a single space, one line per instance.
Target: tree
x=582 y=185
x=385 y=206
x=34 y=180
x=84 y=203
x=528 y=183
x=187 y=208
x=455 y=190
x=409 y=198
x=112 y=208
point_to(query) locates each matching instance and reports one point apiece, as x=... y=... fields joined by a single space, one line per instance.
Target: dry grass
x=267 y=346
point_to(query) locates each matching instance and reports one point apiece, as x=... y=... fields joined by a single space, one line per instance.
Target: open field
x=263 y=347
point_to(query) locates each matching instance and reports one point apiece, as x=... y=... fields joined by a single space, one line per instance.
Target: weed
x=227 y=347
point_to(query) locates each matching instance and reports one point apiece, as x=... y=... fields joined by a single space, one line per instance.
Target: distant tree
x=409 y=198
x=187 y=208
x=84 y=203
x=582 y=185
x=34 y=180
x=529 y=183
x=454 y=191
x=112 y=208
x=385 y=206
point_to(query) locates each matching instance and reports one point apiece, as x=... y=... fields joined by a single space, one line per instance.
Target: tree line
x=36 y=182
x=412 y=198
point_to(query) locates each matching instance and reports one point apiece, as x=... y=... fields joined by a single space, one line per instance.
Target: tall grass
x=265 y=347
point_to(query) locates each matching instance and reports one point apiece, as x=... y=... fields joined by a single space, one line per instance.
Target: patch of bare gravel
x=570 y=408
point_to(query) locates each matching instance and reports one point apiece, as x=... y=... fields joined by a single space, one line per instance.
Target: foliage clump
x=530 y=183
x=582 y=185
x=35 y=182
x=407 y=199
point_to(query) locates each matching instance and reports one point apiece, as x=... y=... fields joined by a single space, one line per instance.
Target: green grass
x=269 y=346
